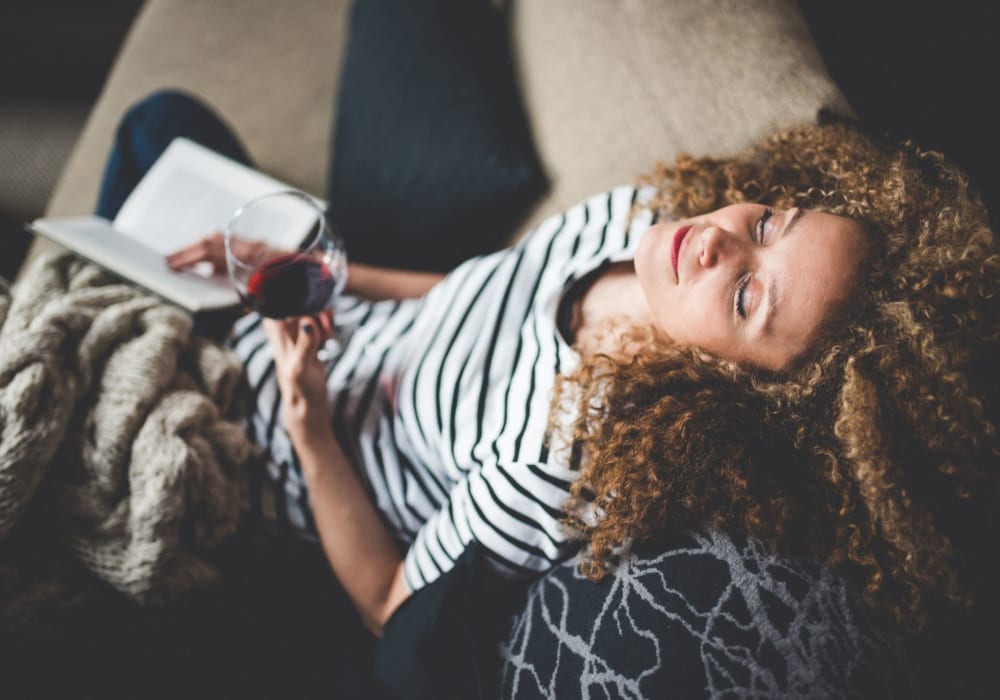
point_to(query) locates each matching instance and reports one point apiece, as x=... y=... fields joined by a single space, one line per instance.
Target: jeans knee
x=152 y=123
x=166 y=106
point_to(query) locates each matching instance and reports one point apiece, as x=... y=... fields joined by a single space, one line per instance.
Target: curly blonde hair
x=877 y=451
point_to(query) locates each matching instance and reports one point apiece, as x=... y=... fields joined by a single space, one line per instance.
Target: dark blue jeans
x=145 y=132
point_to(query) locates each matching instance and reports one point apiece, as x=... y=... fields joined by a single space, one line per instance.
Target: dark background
x=60 y=49
x=925 y=71
x=54 y=57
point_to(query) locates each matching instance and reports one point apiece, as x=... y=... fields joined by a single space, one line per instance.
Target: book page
x=95 y=239
x=191 y=192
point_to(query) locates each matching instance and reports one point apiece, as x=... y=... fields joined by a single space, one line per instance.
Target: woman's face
x=748 y=282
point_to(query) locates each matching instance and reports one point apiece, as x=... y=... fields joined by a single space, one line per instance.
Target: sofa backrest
x=614 y=87
x=609 y=87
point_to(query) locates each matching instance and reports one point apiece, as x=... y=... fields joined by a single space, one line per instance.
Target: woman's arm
x=366 y=281
x=377 y=283
x=357 y=544
x=360 y=551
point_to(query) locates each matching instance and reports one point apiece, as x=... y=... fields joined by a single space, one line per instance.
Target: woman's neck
x=615 y=296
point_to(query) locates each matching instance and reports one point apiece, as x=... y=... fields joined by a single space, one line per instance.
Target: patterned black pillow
x=701 y=615
x=433 y=160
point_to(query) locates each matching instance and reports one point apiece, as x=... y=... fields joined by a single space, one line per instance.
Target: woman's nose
x=716 y=244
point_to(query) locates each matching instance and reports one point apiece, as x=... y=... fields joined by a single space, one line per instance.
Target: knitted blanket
x=117 y=439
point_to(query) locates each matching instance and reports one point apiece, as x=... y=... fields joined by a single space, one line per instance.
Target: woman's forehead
x=812 y=272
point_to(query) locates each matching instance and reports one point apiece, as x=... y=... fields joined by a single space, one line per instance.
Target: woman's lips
x=679 y=237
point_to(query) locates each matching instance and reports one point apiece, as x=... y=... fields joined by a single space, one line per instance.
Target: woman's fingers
x=279 y=336
x=211 y=248
x=295 y=343
x=300 y=374
x=325 y=321
x=254 y=252
x=307 y=342
x=299 y=334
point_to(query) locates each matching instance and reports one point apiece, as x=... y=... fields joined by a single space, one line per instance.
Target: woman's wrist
x=350 y=279
x=318 y=450
x=376 y=283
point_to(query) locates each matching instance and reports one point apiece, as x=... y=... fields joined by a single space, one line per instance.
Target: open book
x=189 y=193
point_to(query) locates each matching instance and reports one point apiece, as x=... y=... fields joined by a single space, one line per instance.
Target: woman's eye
x=740 y=302
x=761 y=228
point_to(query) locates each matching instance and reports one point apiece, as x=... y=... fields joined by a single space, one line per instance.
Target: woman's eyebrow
x=790 y=225
x=772 y=287
x=772 y=303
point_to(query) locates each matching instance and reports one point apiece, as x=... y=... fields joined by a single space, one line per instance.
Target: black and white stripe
x=442 y=403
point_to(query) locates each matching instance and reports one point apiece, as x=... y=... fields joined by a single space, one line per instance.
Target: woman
x=875 y=446
x=795 y=342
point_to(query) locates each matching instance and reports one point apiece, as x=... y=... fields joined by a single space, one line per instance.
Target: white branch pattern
x=713 y=612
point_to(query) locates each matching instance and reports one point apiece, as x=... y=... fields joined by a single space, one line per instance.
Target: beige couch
x=609 y=87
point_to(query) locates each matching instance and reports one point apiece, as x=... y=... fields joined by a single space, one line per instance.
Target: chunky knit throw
x=115 y=422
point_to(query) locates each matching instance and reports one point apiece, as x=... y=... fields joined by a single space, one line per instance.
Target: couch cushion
x=701 y=615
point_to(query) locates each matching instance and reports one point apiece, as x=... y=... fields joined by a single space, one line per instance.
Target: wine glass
x=297 y=278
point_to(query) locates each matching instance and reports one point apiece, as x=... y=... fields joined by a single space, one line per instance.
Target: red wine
x=290 y=285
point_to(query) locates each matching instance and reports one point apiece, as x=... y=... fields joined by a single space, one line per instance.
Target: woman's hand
x=361 y=552
x=301 y=375
x=212 y=249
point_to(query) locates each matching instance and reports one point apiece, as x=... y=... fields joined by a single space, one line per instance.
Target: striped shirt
x=442 y=403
